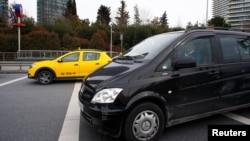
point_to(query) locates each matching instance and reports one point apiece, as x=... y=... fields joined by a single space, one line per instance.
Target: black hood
x=109 y=72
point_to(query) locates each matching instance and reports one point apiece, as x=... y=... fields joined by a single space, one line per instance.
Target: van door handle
x=75 y=64
x=97 y=63
x=214 y=72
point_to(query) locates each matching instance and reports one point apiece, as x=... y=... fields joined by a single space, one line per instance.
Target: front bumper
x=107 y=121
x=31 y=73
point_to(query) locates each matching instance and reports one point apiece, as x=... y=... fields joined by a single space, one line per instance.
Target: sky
x=179 y=12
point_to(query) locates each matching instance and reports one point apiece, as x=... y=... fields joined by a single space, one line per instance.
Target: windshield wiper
x=125 y=59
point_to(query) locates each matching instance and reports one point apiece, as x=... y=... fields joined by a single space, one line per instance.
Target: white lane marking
x=12 y=81
x=70 y=129
x=238 y=118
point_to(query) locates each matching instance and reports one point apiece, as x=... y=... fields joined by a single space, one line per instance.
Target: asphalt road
x=33 y=112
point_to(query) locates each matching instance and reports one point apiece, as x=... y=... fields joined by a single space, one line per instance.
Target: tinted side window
x=199 y=48
x=244 y=46
x=91 y=56
x=235 y=48
x=230 y=49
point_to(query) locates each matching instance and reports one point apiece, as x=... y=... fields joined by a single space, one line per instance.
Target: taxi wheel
x=144 y=123
x=45 y=77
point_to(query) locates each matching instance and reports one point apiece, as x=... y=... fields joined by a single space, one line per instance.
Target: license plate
x=81 y=106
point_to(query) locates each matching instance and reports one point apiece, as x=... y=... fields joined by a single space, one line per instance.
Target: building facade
x=49 y=10
x=239 y=13
x=220 y=8
x=4 y=6
x=235 y=12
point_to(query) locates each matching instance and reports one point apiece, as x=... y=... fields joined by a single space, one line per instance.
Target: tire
x=145 y=122
x=45 y=77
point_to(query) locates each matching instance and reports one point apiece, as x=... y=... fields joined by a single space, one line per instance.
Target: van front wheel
x=144 y=123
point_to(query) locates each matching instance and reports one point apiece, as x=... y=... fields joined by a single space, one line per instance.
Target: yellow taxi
x=74 y=64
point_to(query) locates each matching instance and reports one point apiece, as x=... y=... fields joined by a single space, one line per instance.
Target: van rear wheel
x=45 y=77
x=144 y=123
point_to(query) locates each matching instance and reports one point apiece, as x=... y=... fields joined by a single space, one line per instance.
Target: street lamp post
x=111 y=40
x=207 y=14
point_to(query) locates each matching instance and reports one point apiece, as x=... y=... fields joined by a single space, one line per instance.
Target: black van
x=168 y=79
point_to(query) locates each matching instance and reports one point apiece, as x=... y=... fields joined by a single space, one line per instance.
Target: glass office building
x=48 y=10
x=4 y=6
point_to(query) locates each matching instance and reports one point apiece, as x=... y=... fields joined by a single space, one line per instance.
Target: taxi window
x=88 y=56
x=71 y=57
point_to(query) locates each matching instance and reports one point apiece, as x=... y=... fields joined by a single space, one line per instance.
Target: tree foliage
x=68 y=32
x=99 y=40
x=103 y=15
x=71 y=9
x=218 y=21
x=41 y=39
x=122 y=18
x=137 y=18
x=164 y=19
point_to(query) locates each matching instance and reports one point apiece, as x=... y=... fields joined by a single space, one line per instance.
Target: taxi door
x=68 y=65
x=89 y=63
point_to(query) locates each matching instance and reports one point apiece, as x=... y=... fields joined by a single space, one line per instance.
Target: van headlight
x=106 y=95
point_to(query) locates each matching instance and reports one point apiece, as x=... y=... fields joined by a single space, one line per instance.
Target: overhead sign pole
x=19 y=14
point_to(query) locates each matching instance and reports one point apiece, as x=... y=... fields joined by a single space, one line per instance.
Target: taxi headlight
x=32 y=65
x=106 y=95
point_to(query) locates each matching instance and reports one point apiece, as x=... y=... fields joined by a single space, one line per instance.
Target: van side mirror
x=185 y=62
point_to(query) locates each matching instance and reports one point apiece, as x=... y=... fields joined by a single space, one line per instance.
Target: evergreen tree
x=137 y=16
x=71 y=9
x=163 y=19
x=122 y=18
x=74 y=8
x=103 y=15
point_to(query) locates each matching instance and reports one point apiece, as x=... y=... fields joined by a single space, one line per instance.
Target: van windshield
x=152 y=46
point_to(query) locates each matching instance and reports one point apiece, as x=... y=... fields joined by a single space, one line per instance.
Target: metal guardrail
x=26 y=55
x=20 y=61
x=14 y=66
x=34 y=55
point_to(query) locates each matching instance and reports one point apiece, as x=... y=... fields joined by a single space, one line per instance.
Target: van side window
x=199 y=48
x=166 y=65
x=244 y=46
x=230 y=49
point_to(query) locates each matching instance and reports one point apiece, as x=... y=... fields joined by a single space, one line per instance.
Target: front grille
x=86 y=116
x=87 y=93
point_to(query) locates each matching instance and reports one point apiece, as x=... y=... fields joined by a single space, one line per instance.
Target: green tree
x=29 y=23
x=73 y=42
x=70 y=9
x=99 y=40
x=137 y=15
x=122 y=18
x=103 y=15
x=3 y=20
x=164 y=19
x=74 y=8
x=189 y=25
x=155 y=21
x=41 y=39
x=218 y=21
